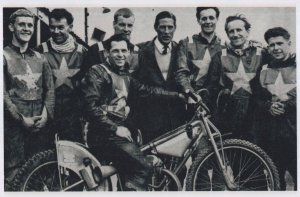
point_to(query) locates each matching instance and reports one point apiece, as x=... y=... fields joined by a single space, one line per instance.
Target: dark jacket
x=193 y=59
x=156 y=116
x=268 y=88
x=98 y=90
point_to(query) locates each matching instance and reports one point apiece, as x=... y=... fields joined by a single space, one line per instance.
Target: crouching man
x=106 y=88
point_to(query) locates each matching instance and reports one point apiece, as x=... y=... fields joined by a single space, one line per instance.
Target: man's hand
x=277 y=109
x=124 y=133
x=29 y=122
x=192 y=98
x=40 y=123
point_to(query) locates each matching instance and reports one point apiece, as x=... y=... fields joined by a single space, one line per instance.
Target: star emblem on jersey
x=123 y=91
x=63 y=74
x=30 y=79
x=280 y=89
x=241 y=79
x=203 y=65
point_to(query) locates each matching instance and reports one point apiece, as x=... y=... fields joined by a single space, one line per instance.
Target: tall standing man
x=274 y=91
x=195 y=52
x=122 y=24
x=232 y=71
x=155 y=116
x=65 y=57
x=28 y=95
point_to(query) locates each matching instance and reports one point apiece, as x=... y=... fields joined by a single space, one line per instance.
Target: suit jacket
x=155 y=116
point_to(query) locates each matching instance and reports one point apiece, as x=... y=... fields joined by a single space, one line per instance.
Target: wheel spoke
x=249 y=164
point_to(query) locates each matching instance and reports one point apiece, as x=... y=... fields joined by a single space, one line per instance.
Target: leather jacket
x=98 y=91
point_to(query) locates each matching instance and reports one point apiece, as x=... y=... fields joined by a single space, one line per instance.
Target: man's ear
x=11 y=27
x=71 y=26
x=289 y=43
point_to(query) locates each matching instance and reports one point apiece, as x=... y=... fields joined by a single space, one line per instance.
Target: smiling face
x=165 y=30
x=22 y=29
x=60 y=30
x=124 y=26
x=118 y=53
x=237 y=33
x=279 y=47
x=208 y=20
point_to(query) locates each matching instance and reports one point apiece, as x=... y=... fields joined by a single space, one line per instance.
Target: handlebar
x=193 y=96
x=197 y=98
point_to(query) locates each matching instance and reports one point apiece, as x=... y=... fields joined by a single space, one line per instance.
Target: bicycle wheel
x=40 y=173
x=250 y=169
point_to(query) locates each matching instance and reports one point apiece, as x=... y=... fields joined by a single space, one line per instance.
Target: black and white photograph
x=123 y=98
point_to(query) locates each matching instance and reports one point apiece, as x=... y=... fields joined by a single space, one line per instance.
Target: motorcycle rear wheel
x=40 y=173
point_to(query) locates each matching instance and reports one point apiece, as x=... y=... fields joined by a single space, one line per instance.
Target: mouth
x=126 y=33
x=277 y=53
x=166 y=37
x=26 y=34
x=57 y=36
x=208 y=26
x=236 y=39
x=120 y=60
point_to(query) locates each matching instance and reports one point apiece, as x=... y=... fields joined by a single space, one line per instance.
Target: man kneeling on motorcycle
x=106 y=89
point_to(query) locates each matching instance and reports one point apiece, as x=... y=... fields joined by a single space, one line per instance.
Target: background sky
x=261 y=19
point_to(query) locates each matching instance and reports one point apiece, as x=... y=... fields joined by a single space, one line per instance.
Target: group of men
x=118 y=86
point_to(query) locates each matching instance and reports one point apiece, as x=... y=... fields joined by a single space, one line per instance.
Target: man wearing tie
x=155 y=116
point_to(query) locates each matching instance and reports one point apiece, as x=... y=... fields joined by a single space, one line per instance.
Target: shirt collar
x=160 y=46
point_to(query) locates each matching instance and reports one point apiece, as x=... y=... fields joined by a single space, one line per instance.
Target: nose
x=235 y=33
x=120 y=53
x=56 y=30
x=126 y=28
x=26 y=27
x=167 y=30
x=276 y=47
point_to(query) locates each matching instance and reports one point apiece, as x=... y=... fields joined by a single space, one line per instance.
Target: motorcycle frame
x=201 y=118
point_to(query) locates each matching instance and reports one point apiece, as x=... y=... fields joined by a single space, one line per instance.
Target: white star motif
x=279 y=88
x=123 y=91
x=203 y=65
x=122 y=94
x=29 y=78
x=241 y=79
x=63 y=74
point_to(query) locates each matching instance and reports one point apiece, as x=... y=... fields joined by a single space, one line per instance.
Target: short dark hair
x=275 y=32
x=18 y=13
x=125 y=12
x=60 y=13
x=164 y=14
x=237 y=17
x=200 y=9
x=116 y=38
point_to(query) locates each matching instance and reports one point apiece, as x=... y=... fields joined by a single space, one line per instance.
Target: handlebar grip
x=192 y=95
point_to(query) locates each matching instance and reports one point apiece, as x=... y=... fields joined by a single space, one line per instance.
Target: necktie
x=165 y=50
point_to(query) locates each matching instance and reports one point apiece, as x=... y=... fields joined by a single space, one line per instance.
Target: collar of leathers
x=18 y=50
x=247 y=46
x=290 y=61
x=202 y=39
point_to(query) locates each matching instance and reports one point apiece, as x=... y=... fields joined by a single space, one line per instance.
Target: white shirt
x=160 y=46
x=163 y=60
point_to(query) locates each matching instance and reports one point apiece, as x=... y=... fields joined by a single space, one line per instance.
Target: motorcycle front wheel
x=41 y=173
x=249 y=168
